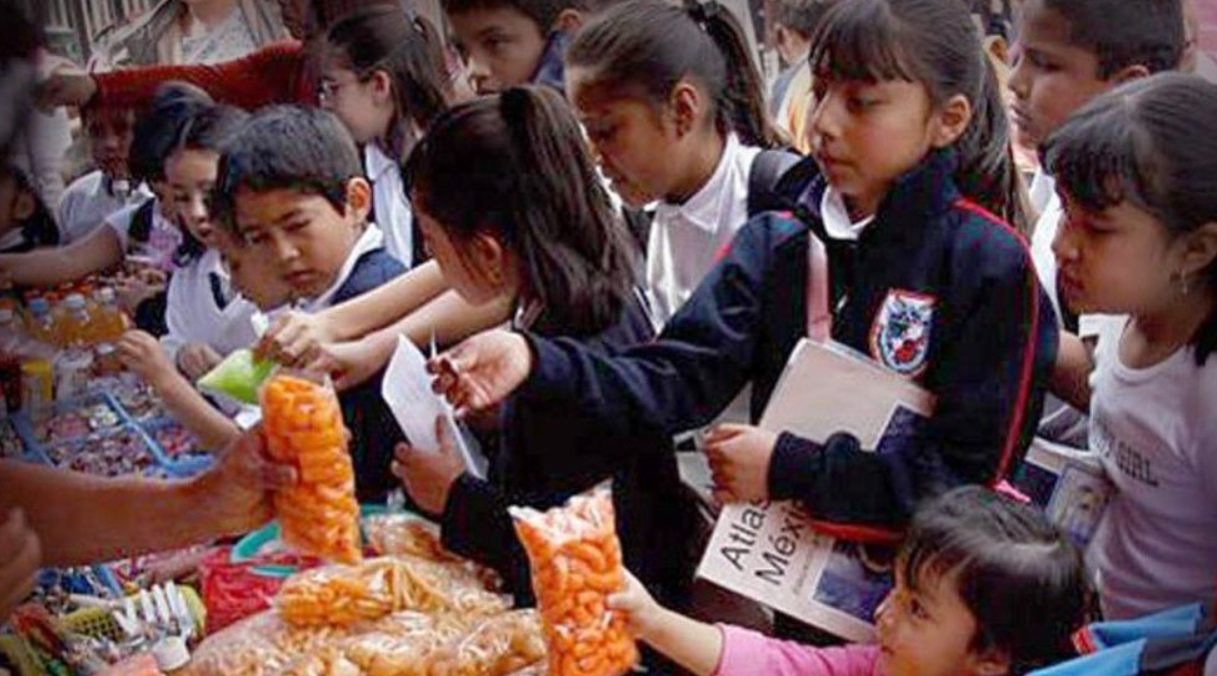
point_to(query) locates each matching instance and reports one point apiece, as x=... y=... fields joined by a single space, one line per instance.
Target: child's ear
x=489 y=258
x=989 y=662
x=23 y=207
x=359 y=200
x=1129 y=73
x=686 y=103
x=382 y=86
x=569 y=21
x=1200 y=251
x=951 y=121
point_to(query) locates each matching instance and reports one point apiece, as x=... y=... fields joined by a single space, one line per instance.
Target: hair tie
x=703 y=12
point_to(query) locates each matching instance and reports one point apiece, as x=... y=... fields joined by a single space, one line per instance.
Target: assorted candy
x=177 y=442
x=109 y=455
x=10 y=441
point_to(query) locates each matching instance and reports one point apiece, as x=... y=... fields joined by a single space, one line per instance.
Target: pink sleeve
x=747 y=653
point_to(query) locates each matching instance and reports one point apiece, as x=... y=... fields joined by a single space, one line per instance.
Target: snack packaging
x=575 y=558
x=239 y=376
x=303 y=425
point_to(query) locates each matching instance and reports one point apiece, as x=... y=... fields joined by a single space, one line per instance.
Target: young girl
x=25 y=222
x=984 y=587
x=1136 y=171
x=674 y=108
x=383 y=76
x=530 y=221
x=924 y=281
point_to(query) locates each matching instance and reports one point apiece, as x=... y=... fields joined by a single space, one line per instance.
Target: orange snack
x=303 y=427
x=576 y=564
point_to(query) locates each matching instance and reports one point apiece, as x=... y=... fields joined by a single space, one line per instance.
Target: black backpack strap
x=765 y=181
x=141 y=223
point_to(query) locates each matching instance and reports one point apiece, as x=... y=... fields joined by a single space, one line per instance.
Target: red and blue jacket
x=935 y=288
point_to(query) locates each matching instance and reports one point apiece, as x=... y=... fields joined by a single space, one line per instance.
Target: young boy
x=505 y=43
x=291 y=189
x=1071 y=52
x=93 y=197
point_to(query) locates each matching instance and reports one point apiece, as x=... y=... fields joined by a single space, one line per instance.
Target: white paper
x=407 y=391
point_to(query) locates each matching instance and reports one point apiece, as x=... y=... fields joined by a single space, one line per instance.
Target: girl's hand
x=352 y=363
x=641 y=610
x=235 y=494
x=143 y=356
x=428 y=475
x=197 y=359
x=739 y=462
x=482 y=371
x=20 y=556
x=132 y=291
x=294 y=339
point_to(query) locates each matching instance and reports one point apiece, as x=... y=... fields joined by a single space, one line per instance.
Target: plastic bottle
x=73 y=322
x=108 y=320
x=40 y=324
x=10 y=362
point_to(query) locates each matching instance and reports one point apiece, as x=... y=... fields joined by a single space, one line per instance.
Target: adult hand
x=20 y=556
x=428 y=474
x=65 y=88
x=482 y=371
x=234 y=496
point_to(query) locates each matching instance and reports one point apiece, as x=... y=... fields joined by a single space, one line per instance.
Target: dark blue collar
x=551 y=70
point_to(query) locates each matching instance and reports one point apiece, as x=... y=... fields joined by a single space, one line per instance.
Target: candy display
x=74 y=420
x=576 y=564
x=109 y=455
x=10 y=442
x=303 y=427
x=176 y=441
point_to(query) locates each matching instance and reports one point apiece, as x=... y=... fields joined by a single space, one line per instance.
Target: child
x=507 y=43
x=1070 y=52
x=794 y=22
x=551 y=241
x=91 y=198
x=1140 y=238
x=25 y=222
x=923 y=280
x=290 y=188
x=984 y=587
x=381 y=78
x=673 y=105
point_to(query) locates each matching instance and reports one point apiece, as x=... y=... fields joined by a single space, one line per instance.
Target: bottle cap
x=40 y=306
x=171 y=653
x=105 y=295
x=74 y=301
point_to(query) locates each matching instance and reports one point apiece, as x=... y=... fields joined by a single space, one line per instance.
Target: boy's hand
x=482 y=371
x=640 y=608
x=428 y=474
x=294 y=339
x=20 y=556
x=739 y=458
x=143 y=356
x=197 y=359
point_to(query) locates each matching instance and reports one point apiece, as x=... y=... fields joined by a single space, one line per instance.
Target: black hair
x=1153 y=143
x=643 y=48
x=1019 y=576
x=158 y=128
x=209 y=128
x=1123 y=33
x=303 y=149
x=321 y=14
x=405 y=47
x=544 y=13
x=534 y=187
x=800 y=16
x=934 y=43
x=39 y=229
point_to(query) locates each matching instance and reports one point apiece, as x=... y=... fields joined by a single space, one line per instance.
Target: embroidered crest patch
x=900 y=334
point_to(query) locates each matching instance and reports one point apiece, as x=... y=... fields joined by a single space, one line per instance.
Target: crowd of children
x=618 y=229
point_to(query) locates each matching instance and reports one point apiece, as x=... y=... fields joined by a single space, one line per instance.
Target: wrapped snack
x=498 y=646
x=576 y=564
x=261 y=645
x=404 y=649
x=303 y=426
x=239 y=376
x=343 y=596
x=405 y=535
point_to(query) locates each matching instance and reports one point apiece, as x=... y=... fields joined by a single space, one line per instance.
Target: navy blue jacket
x=968 y=278
x=374 y=430
x=548 y=454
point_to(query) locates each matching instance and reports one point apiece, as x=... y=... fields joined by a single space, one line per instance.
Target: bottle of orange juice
x=109 y=323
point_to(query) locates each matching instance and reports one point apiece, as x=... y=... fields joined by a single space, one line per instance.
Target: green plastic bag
x=239 y=376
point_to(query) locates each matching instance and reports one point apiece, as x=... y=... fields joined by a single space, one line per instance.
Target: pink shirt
x=747 y=653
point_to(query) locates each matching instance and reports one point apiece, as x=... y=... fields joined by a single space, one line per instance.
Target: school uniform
x=15 y=242
x=141 y=228
x=88 y=201
x=391 y=207
x=934 y=288
x=547 y=455
x=374 y=430
x=202 y=308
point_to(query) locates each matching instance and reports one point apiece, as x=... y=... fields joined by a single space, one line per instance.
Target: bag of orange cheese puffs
x=575 y=559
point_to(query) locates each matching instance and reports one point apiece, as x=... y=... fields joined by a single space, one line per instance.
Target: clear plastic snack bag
x=575 y=558
x=302 y=422
x=238 y=377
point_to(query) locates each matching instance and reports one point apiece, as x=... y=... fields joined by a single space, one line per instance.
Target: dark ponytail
x=405 y=46
x=643 y=48
x=1153 y=143
x=935 y=43
x=534 y=187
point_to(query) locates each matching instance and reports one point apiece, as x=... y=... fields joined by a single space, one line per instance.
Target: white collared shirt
x=193 y=316
x=371 y=239
x=391 y=204
x=686 y=240
x=837 y=222
x=87 y=203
